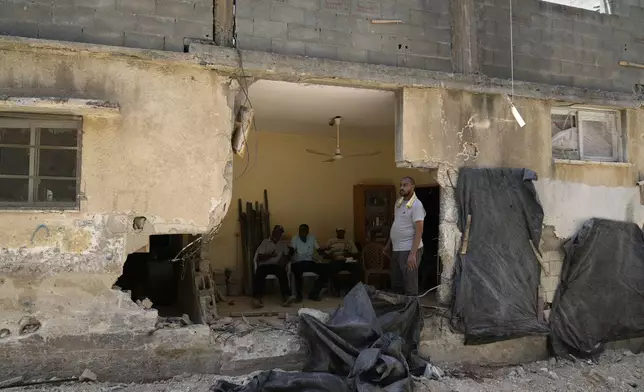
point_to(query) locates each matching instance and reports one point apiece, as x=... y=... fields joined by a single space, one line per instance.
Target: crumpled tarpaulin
x=600 y=297
x=496 y=276
x=368 y=344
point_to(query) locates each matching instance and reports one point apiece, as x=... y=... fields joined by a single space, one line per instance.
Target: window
x=601 y=6
x=39 y=162
x=587 y=135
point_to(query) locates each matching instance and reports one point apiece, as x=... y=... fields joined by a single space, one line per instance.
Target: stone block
x=424 y=48
x=60 y=32
x=290 y=48
x=269 y=29
x=192 y=29
x=312 y=5
x=281 y=12
x=337 y=6
x=26 y=12
x=367 y=41
x=102 y=37
x=382 y=58
x=100 y=4
x=18 y=28
x=322 y=51
x=303 y=33
x=144 y=41
x=436 y=64
x=252 y=9
x=136 y=7
x=369 y=8
x=115 y=21
x=411 y=61
x=244 y=26
x=77 y=16
x=158 y=25
x=251 y=42
x=333 y=37
x=322 y=20
x=352 y=55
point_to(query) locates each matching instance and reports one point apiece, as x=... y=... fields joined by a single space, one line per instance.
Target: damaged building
x=128 y=177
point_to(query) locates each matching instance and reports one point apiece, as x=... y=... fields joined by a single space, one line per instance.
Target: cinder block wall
x=561 y=45
x=146 y=24
x=343 y=30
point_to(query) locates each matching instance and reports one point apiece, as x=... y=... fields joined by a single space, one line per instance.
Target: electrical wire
x=511 y=54
x=243 y=83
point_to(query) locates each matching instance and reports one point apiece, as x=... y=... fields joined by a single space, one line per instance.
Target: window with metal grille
x=587 y=135
x=601 y=6
x=39 y=161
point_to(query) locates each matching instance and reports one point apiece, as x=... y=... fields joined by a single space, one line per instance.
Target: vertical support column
x=464 y=37
x=224 y=22
x=449 y=236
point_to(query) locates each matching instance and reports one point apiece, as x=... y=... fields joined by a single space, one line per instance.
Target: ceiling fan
x=338 y=154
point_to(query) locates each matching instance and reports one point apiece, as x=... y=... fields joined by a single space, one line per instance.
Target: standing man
x=406 y=239
x=270 y=259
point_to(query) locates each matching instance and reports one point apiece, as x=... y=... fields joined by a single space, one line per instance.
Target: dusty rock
x=87 y=375
x=318 y=314
x=145 y=303
x=4 y=332
x=29 y=325
x=186 y=319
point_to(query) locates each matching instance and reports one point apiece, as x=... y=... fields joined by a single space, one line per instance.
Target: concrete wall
x=301 y=189
x=448 y=130
x=147 y=24
x=166 y=157
x=342 y=30
x=561 y=45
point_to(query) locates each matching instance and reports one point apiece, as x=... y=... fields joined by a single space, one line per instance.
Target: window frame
x=594 y=114
x=35 y=123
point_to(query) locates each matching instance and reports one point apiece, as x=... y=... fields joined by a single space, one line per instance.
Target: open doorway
x=429 y=270
x=291 y=175
x=157 y=279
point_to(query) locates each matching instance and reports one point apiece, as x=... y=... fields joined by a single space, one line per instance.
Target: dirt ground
x=616 y=371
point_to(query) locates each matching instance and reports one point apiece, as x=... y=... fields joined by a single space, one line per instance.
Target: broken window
x=601 y=6
x=587 y=135
x=39 y=161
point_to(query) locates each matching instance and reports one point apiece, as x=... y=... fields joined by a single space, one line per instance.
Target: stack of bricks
x=344 y=30
x=145 y=24
x=551 y=272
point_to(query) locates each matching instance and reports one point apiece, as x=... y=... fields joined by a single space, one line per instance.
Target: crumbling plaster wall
x=452 y=129
x=166 y=157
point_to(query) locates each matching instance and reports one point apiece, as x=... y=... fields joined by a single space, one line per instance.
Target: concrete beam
x=73 y=106
x=263 y=65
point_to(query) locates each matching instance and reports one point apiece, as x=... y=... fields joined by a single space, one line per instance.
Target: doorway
x=430 y=266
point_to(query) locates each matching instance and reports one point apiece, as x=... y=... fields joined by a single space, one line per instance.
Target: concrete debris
x=4 y=332
x=173 y=322
x=433 y=372
x=88 y=375
x=145 y=303
x=186 y=319
x=318 y=314
x=11 y=382
x=29 y=325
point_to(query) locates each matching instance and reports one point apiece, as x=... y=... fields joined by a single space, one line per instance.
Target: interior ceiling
x=305 y=108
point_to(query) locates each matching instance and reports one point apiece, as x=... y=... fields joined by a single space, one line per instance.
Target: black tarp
x=369 y=344
x=496 y=281
x=600 y=297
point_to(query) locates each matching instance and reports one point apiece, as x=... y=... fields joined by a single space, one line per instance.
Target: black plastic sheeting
x=496 y=281
x=368 y=344
x=600 y=297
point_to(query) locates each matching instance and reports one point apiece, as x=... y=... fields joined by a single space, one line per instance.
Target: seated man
x=305 y=248
x=270 y=259
x=343 y=254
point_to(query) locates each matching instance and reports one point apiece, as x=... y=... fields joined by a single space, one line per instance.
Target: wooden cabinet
x=373 y=212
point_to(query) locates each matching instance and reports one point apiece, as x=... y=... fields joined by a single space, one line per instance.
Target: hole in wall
x=163 y=276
